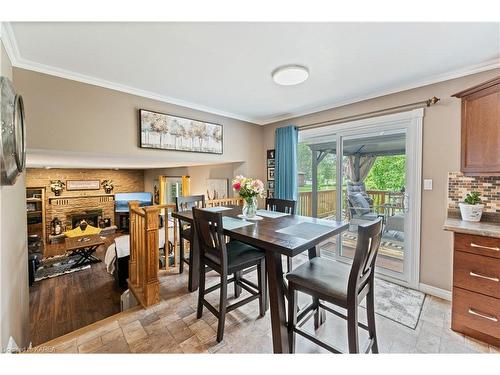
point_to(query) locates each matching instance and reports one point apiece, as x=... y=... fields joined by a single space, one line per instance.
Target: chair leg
x=292 y=317
x=289 y=264
x=237 y=288
x=261 y=283
x=181 y=255
x=222 y=307
x=352 y=328
x=201 y=291
x=370 y=312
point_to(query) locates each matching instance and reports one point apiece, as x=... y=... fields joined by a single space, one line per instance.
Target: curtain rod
x=380 y=112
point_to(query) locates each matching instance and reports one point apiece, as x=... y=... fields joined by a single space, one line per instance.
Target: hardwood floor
x=65 y=303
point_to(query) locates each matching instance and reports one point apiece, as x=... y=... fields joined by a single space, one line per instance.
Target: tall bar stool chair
x=185 y=230
x=286 y=206
x=341 y=285
x=225 y=259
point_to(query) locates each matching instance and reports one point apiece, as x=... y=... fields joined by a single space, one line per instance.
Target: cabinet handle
x=483 y=315
x=472 y=244
x=484 y=277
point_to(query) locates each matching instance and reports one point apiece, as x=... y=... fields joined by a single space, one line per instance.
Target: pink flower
x=237 y=186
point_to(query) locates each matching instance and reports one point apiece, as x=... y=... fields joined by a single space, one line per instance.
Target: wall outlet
x=427 y=184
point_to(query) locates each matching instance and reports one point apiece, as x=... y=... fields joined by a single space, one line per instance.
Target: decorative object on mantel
x=167 y=132
x=57 y=186
x=108 y=186
x=217 y=188
x=249 y=189
x=471 y=208
x=83 y=185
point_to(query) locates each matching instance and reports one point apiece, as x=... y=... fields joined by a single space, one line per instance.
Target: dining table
x=276 y=234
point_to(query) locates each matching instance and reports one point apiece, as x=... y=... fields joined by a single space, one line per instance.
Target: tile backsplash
x=489 y=187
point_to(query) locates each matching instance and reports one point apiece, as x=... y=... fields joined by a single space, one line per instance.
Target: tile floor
x=172 y=327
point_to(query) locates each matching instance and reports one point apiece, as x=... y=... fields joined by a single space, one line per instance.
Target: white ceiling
x=225 y=68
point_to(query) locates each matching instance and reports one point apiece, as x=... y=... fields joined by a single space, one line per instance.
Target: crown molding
x=10 y=44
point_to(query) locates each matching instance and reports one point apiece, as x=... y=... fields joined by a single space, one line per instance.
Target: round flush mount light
x=289 y=75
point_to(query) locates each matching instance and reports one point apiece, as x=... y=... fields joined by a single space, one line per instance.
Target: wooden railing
x=144 y=250
x=327 y=201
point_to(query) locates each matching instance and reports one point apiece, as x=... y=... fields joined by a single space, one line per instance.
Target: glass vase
x=250 y=207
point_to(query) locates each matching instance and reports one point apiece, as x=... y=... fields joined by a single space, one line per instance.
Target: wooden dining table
x=276 y=234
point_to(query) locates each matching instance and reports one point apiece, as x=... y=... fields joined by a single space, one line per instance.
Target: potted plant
x=249 y=189
x=108 y=186
x=471 y=208
x=57 y=186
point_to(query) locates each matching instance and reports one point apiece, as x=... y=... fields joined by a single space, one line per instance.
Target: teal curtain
x=285 y=173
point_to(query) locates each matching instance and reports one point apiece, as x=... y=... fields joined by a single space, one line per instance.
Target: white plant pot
x=471 y=212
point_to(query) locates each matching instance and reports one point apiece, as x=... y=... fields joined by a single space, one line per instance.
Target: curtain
x=285 y=173
x=365 y=165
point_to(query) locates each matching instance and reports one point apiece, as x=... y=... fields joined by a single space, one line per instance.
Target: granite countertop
x=480 y=228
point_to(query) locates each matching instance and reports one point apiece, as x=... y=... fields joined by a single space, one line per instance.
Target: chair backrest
x=187 y=203
x=211 y=239
x=363 y=265
x=236 y=201
x=280 y=205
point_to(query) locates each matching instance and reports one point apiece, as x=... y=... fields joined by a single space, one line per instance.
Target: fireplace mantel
x=82 y=196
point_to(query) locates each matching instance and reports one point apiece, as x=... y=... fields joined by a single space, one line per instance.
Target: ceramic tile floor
x=172 y=327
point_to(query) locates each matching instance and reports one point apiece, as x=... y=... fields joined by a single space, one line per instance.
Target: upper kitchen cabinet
x=481 y=128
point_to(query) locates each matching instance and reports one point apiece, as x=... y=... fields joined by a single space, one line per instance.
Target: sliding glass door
x=359 y=172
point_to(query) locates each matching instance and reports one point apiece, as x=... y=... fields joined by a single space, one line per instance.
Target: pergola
x=358 y=148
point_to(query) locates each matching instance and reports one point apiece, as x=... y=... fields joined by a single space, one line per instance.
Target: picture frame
x=270 y=185
x=72 y=185
x=270 y=162
x=163 y=131
x=271 y=154
x=270 y=174
x=270 y=193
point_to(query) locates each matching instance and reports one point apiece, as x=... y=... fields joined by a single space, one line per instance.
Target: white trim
x=18 y=61
x=436 y=292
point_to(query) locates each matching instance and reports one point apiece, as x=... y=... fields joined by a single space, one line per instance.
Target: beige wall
x=66 y=115
x=198 y=174
x=441 y=154
x=14 y=294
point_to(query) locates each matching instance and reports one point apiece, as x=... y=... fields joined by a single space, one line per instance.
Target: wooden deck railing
x=236 y=201
x=144 y=250
x=327 y=201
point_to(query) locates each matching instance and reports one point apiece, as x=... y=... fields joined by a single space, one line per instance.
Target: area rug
x=57 y=266
x=398 y=303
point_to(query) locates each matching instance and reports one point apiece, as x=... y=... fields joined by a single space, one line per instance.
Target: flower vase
x=250 y=207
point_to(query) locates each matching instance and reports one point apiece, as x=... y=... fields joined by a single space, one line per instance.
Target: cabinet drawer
x=481 y=245
x=477 y=273
x=476 y=312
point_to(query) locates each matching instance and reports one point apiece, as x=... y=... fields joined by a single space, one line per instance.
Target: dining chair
x=185 y=231
x=341 y=285
x=226 y=259
x=286 y=206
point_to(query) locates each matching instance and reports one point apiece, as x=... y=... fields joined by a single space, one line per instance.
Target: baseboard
x=436 y=292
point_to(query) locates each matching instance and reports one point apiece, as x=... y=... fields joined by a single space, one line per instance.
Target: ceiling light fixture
x=289 y=75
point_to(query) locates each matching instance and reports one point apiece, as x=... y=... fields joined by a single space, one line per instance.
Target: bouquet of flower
x=248 y=188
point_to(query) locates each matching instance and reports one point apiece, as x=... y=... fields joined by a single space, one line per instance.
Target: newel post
x=133 y=243
x=151 y=256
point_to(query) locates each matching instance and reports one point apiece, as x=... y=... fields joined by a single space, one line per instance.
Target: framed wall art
x=168 y=132
x=83 y=185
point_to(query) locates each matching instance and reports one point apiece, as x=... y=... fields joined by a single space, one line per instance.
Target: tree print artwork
x=162 y=131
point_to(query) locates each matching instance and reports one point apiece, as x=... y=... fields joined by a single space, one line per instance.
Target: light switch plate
x=427 y=184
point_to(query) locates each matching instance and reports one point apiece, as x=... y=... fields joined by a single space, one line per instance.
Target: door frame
x=412 y=122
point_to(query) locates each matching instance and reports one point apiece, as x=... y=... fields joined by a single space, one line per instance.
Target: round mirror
x=19 y=134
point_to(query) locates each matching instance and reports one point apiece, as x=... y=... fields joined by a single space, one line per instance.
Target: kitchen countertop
x=480 y=228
